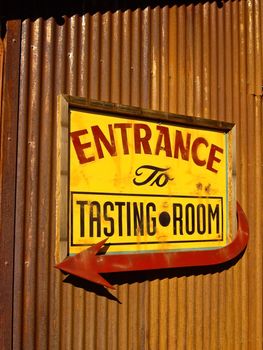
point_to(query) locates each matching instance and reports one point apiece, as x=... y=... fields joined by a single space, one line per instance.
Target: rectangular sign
x=147 y=183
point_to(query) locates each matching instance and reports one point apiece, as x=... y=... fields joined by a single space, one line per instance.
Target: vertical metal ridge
x=21 y=191
x=123 y=329
x=84 y=57
x=181 y=81
x=32 y=187
x=9 y=104
x=163 y=315
x=214 y=337
x=254 y=159
x=132 y=316
x=258 y=218
x=181 y=315
x=172 y=51
x=164 y=52
x=198 y=60
x=206 y=60
x=125 y=58
x=112 y=324
x=136 y=49
x=136 y=44
x=154 y=27
x=214 y=60
x=2 y=54
x=190 y=311
x=115 y=66
x=154 y=314
x=75 y=70
x=44 y=183
x=242 y=170
x=56 y=322
x=173 y=310
x=189 y=94
x=94 y=68
x=198 y=300
x=221 y=63
x=102 y=317
x=69 y=84
x=146 y=58
x=236 y=60
x=90 y=317
x=105 y=57
x=228 y=96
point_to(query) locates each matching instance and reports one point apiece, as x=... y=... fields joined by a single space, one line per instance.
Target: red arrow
x=88 y=265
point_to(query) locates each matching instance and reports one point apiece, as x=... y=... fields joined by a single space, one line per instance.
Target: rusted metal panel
x=196 y=58
x=1 y=69
x=10 y=51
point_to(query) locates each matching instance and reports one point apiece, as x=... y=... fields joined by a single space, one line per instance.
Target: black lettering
x=82 y=217
x=213 y=215
x=108 y=218
x=120 y=205
x=201 y=219
x=138 y=219
x=150 y=219
x=190 y=219
x=178 y=218
x=128 y=219
x=94 y=217
x=161 y=180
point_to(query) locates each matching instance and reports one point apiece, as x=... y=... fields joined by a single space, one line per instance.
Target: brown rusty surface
x=202 y=59
x=9 y=79
x=2 y=50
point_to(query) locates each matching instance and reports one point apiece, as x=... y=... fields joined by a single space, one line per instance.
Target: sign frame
x=66 y=103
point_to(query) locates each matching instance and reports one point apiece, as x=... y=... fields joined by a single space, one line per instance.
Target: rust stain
x=199 y=186
x=208 y=188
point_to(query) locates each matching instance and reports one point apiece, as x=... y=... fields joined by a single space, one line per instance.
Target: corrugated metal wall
x=8 y=145
x=201 y=59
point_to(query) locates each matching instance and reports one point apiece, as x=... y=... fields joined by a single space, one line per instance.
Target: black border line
x=145 y=195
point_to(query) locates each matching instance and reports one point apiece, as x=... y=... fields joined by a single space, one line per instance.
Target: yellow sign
x=147 y=185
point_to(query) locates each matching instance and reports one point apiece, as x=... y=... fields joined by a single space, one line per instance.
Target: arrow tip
x=84 y=265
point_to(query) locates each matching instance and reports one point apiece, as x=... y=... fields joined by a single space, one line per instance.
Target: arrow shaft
x=152 y=261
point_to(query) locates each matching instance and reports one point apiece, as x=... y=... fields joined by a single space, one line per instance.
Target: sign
x=147 y=185
x=144 y=182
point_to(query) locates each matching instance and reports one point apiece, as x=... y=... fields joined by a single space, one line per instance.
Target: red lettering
x=197 y=142
x=79 y=147
x=142 y=141
x=123 y=127
x=212 y=158
x=99 y=138
x=142 y=136
x=179 y=145
x=163 y=136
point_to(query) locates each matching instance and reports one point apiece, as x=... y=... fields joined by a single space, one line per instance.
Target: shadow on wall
x=57 y=9
x=121 y=278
